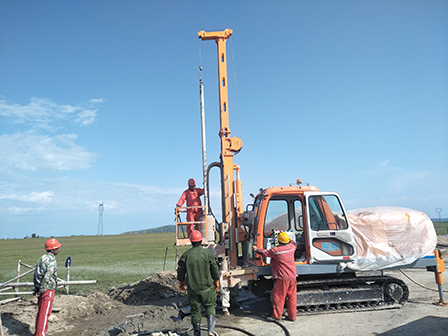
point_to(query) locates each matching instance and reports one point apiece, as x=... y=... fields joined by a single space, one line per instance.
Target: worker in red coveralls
x=45 y=284
x=284 y=272
x=192 y=196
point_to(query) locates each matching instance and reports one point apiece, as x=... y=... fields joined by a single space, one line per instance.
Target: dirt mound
x=157 y=287
x=73 y=306
x=19 y=317
x=95 y=314
x=150 y=304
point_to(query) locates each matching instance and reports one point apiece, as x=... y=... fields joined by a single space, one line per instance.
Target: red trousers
x=192 y=217
x=284 y=289
x=45 y=306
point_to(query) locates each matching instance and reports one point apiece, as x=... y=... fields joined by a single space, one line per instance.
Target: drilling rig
x=335 y=268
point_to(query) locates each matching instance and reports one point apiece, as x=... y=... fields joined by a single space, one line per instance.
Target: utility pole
x=100 y=220
x=439 y=211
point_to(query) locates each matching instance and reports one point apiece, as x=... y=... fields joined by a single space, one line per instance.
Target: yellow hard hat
x=283 y=238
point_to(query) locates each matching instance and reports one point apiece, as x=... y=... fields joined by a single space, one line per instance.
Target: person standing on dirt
x=45 y=284
x=284 y=272
x=197 y=269
x=193 y=197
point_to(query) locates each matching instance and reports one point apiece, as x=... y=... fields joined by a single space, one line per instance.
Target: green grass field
x=441 y=228
x=112 y=260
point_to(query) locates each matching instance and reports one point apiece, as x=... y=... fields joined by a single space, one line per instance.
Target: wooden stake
x=18 y=276
x=164 y=262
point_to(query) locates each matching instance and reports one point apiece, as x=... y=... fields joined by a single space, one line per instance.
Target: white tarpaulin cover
x=390 y=236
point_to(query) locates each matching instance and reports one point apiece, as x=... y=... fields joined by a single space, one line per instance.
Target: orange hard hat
x=196 y=236
x=283 y=237
x=52 y=244
x=191 y=182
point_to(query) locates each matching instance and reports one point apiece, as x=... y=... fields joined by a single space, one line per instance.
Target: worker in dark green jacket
x=197 y=269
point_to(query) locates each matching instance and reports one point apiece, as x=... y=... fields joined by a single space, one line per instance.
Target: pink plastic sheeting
x=390 y=236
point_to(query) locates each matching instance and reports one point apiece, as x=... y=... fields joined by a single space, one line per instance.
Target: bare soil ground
x=155 y=305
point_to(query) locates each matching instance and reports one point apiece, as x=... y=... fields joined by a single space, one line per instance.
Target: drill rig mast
x=229 y=232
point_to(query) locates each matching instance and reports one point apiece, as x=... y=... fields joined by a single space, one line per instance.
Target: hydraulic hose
x=209 y=208
x=419 y=284
x=233 y=328
x=285 y=330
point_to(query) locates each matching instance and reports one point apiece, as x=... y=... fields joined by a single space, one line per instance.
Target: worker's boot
x=197 y=329
x=211 y=325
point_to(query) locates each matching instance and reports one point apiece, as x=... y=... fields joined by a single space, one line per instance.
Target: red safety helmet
x=191 y=182
x=196 y=236
x=52 y=244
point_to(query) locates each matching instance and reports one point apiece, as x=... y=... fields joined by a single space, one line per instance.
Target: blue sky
x=99 y=102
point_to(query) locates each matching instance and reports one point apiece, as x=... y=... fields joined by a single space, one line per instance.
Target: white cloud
x=381 y=167
x=399 y=179
x=40 y=197
x=82 y=196
x=149 y=189
x=31 y=152
x=44 y=114
x=34 y=197
x=96 y=101
x=404 y=180
x=29 y=149
x=86 y=117
x=18 y=211
x=384 y=163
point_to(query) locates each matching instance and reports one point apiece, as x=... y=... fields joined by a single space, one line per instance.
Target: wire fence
x=12 y=286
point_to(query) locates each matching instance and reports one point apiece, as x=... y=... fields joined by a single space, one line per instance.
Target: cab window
x=298 y=218
x=326 y=213
x=276 y=216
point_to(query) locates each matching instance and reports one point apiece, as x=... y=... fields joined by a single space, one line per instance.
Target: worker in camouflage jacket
x=198 y=270
x=45 y=285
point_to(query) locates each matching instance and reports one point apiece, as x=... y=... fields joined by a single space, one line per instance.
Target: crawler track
x=350 y=294
x=346 y=294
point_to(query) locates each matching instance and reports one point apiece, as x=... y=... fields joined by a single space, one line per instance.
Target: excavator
x=333 y=271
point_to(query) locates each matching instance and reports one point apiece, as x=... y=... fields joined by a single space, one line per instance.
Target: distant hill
x=162 y=229
x=172 y=228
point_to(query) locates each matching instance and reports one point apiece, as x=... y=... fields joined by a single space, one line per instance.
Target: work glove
x=216 y=285
x=182 y=286
x=260 y=251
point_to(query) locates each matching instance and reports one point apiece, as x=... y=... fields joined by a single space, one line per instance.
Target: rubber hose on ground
x=234 y=328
